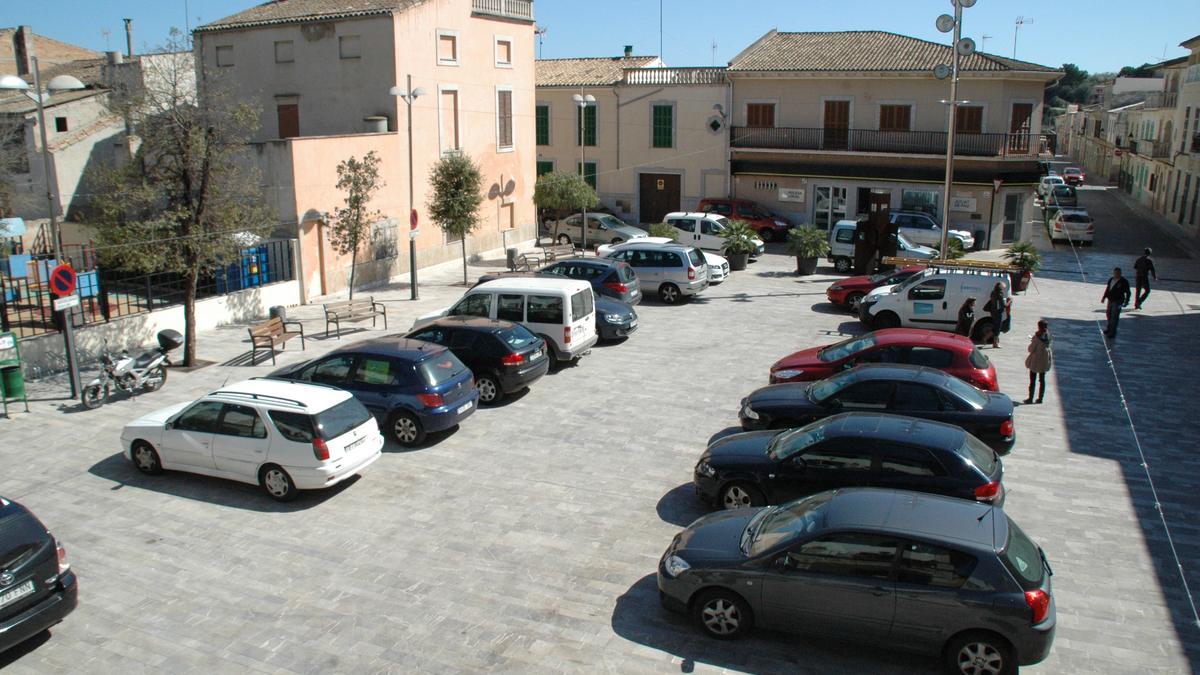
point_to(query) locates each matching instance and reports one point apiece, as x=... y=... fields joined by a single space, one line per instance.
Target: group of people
x=1117 y=294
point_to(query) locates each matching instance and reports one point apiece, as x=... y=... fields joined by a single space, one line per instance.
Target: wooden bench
x=553 y=252
x=273 y=332
x=353 y=310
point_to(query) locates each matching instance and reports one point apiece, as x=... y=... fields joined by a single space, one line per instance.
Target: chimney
x=128 y=38
x=23 y=50
x=628 y=51
x=114 y=58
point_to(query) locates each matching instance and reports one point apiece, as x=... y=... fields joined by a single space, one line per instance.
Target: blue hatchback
x=411 y=386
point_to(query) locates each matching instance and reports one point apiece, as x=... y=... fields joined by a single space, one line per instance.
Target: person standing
x=1144 y=269
x=1038 y=361
x=1116 y=294
x=966 y=318
x=995 y=307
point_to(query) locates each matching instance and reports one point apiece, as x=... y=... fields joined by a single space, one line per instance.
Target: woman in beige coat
x=1038 y=361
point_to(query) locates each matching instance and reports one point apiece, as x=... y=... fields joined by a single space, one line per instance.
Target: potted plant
x=808 y=244
x=739 y=243
x=955 y=246
x=1025 y=256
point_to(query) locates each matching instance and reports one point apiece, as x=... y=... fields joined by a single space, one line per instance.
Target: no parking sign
x=62 y=280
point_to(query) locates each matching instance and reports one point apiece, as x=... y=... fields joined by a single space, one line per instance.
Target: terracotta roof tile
x=294 y=11
x=590 y=72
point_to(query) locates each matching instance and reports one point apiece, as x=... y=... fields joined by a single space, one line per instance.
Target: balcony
x=899 y=142
x=1161 y=99
x=522 y=10
x=678 y=76
x=1150 y=148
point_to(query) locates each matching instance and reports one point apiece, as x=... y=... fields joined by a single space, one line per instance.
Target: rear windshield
x=696 y=257
x=978 y=453
x=977 y=399
x=978 y=360
x=441 y=368
x=1076 y=218
x=625 y=273
x=340 y=418
x=581 y=305
x=845 y=348
x=1023 y=558
x=293 y=426
x=518 y=337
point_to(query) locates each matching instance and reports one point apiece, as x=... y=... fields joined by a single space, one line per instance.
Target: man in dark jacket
x=1144 y=269
x=1116 y=294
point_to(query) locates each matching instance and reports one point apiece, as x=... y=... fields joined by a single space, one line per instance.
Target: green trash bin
x=12 y=381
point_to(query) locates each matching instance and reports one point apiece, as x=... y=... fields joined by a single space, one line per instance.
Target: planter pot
x=738 y=261
x=1020 y=280
x=806 y=265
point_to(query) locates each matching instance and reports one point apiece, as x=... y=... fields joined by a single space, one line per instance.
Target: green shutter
x=663 y=126
x=544 y=167
x=543 y=125
x=589 y=174
x=588 y=128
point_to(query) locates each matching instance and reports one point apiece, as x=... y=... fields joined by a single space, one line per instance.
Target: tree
x=1073 y=87
x=13 y=161
x=186 y=204
x=562 y=192
x=359 y=180
x=457 y=193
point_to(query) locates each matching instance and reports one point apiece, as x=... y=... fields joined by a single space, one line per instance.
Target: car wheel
x=841 y=265
x=740 y=495
x=723 y=614
x=155 y=379
x=853 y=301
x=887 y=320
x=277 y=483
x=564 y=239
x=406 y=429
x=983 y=332
x=145 y=458
x=669 y=293
x=979 y=654
x=93 y=397
x=489 y=389
x=767 y=234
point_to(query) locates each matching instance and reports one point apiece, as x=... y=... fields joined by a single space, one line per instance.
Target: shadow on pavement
x=27 y=647
x=680 y=506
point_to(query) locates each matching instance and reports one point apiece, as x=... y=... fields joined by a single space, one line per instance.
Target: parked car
x=615 y=320
x=718 y=266
x=920 y=228
x=38 y=589
x=611 y=278
x=282 y=436
x=503 y=356
x=915 y=391
x=947 y=352
x=674 y=271
x=704 y=230
x=602 y=227
x=931 y=299
x=841 y=246
x=769 y=226
x=1072 y=225
x=1047 y=183
x=411 y=387
x=1074 y=175
x=851 y=449
x=850 y=291
x=1062 y=196
x=893 y=568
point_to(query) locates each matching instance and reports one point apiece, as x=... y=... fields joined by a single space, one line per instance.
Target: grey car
x=674 y=272
x=908 y=570
x=603 y=228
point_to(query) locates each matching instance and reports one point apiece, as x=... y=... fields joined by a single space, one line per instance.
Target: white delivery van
x=931 y=299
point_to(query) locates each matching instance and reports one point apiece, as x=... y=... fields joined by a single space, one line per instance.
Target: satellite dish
x=945 y=23
x=966 y=3
x=941 y=71
x=965 y=47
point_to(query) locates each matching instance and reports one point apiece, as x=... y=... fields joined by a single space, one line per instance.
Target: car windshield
x=787 y=443
x=441 y=368
x=846 y=348
x=823 y=390
x=911 y=281
x=610 y=221
x=696 y=257
x=518 y=337
x=879 y=277
x=975 y=398
x=904 y=242
x=625 y=273
x=787 y=521
x=1023 y=558
x=978 y=359
x=978 y=453
x=341 y=418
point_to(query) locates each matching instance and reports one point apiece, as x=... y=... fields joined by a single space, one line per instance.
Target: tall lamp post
x=961 y=47
x=583 y=102
x=41 y=97
x=409 y=95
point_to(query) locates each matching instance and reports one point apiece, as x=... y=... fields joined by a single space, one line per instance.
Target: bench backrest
x=350 y=306
x=272 y=326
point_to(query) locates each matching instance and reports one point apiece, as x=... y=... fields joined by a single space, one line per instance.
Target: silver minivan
x=675 y=272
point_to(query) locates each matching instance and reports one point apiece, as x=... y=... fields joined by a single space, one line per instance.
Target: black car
x=908 y=570
x=504 y=356
x=37 y=586
x=903 y=389
x=757 y=468
x=615 y=320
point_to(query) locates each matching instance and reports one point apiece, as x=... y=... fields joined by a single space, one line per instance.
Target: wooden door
x=289 y=120
x=837 y=125
x=658 y=195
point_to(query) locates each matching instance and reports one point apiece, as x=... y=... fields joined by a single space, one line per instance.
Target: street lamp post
x=408 y=96
x=965 y=47
x=583 y=102
x=41 y=97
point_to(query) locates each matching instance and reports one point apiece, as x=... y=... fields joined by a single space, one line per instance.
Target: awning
x=898 y=174
x=12 y=227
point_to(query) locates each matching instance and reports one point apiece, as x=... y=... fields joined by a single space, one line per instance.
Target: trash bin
x=980 y=240
x=12 y=381
x=510 y=257
x=279 y=311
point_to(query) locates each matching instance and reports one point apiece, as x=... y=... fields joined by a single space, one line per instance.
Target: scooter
x=146 y=372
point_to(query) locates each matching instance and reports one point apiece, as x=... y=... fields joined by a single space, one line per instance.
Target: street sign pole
x=62 y=283
x=996 y=183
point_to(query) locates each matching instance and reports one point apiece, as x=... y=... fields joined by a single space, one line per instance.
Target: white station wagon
x=285 y=436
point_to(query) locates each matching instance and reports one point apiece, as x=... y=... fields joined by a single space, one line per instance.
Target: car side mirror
x=799 y=464
x=832 y=403
x=168 y=426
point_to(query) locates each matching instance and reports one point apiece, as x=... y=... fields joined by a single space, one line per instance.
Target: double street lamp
x=961 y=47
x=409 y=95
x=583 y=102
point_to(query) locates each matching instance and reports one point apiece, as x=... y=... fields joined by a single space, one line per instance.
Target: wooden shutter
x=760 y=114
x=895 y=118
x=662 y=126
x=543 y=125
x=970 y=119
x=504 y=115
x=289 y=119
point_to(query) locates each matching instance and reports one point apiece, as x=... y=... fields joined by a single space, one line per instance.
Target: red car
x=769 y=226
x=849 y=291
x=1073 y=175
x=953 y=354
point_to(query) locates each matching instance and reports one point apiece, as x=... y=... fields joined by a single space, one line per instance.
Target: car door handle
x=880 y=590
x=943 y=305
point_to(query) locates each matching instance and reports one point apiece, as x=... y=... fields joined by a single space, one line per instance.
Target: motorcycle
x=147 y=372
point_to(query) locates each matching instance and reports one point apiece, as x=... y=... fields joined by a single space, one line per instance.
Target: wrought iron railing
x=509 y=9
x=870 y=140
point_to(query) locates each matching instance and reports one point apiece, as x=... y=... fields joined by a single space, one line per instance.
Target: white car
x=704 y=230
x=922 y=229
x=718 y=266
x=1047 y=184
x=284 y=436
x=1072 y=225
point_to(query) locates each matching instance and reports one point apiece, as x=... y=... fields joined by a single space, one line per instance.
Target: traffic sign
x=62 y=280
x=412 y=220
x=66 y=302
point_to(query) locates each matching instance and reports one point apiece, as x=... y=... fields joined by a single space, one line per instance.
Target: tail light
x=691 y=274
x=566 y=335
x=988 y=492
x=320 y=449
x=513 y=359
x=1091 y=228
x=63 y=565
x=616 y=287
x=1006 y=428
x=430 y=400
x=1039 y=602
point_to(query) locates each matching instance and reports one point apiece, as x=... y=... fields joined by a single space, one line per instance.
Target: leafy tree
x=457 y=193
x=1144 y=70
x=562 y=192
x=1073 y=87
x=663 y=230
x=187 y=203
x=359 y=180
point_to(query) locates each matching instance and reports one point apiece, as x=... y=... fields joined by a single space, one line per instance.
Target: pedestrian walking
x=1116 y=294
x=995 y=307
x=1144 y=269
x=966 y=318
x=1038 y=361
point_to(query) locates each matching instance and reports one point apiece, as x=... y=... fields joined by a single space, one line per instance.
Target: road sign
x=62 y=280
x=412 y=220
x=66 y=302
x=996 y=183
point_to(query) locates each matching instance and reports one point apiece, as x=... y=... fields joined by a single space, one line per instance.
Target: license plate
x=355 y=444
x=463 y=408
x=633 y=324
x=15 y=594
x=536 y=355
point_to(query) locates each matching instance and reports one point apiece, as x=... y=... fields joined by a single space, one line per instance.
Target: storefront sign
x=966 y=204
x=791 y=194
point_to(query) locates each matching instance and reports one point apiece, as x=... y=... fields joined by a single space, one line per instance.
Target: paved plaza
x=526 y=541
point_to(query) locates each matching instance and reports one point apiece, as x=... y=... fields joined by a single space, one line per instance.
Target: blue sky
x=1097 y=35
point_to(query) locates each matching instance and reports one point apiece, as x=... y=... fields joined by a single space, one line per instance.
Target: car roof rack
x=960 y=264
x=306 y=383
x=266 y=398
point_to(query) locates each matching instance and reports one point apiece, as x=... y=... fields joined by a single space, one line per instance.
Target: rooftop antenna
x=104 y=32
x=660 y=24
x=983 y=41
x=539 y=31
x=714 y=52
x=1021 y=21
x=187 y=28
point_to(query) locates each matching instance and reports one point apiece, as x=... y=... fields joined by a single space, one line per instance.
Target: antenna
x=104 y=32
x=1021 y=21
x=983 y=41
x=714 y=52
x=660 y=24
x=540 y=31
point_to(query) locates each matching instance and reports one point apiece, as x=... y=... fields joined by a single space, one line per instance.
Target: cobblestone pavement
x=527 y=539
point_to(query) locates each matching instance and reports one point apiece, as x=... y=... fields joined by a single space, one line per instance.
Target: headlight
x=784 y=375
x=835 y=287
x=749 y=413
x=780 y=223
x=705 y=469
x=613 y=318
x=676 y=566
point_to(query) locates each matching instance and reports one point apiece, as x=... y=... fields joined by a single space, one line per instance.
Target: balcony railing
x=509 y=9
x=683 y=76
x=1195 y=143
x=1161 y=99
x=1147 y=147
x=900 y=142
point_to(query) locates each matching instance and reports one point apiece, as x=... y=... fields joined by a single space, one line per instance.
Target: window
x=930 y=356
x=479 y=304
x=296 y=427
x=848 y=555
x=916 y=398
x=685 y=224
x=845 y=235
x=931 y=565
x=284 y=52
x=504 y=118
x=933 y=289
x=582 y=305
x=826 y=458
x=545 y=309
x=969 y=119
x=588 y=171
x=376 y=371
x=448 y=117
x=447 y=48
x=711 y=227
x=241 y=420
x=909 y=462
x=60 y=124
x=542 y=115
x=925 y=201
x=873 y=395
x=504 y=52
x=760 y=114
x=224 y=56
x=510 y=308
x=895 y=118
x=201 y=417
x=343 y=417
x=462 y=339
x=349 y=47
x=662 y=122
x=544 y=167
x=442 y=368
x=585 y=132
x=288 y=115
x=330 y=371
x=433 y=334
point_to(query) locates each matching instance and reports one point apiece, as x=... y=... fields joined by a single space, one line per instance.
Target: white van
x=704 y=230
x=841 y=246
x=932 y=298
x=561 y=311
